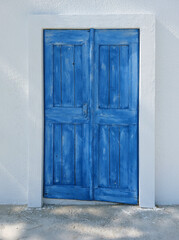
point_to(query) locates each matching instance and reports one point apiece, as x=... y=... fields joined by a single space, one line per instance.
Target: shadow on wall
x=14 y=95
x=167 y=113
x=107 y=222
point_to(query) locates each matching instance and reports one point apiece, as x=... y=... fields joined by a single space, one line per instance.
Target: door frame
x=146 y=24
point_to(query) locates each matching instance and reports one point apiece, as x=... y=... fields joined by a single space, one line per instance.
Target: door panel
x=116 y=116
x=66 y=125
x=91 y=114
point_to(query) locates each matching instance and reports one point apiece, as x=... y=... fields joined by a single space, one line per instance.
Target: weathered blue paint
x=116 y=115
x=67 y=74
x=91 y=114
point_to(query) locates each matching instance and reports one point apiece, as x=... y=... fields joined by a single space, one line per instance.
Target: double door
x=91 y=114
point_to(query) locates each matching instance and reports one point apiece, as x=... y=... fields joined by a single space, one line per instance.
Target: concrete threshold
x=70 y=202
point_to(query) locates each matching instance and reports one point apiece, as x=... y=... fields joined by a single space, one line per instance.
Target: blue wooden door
x=66 y=61
x=116 y=116
x=91 y=114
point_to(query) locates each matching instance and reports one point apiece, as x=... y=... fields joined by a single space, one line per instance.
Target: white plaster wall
x=14 y=87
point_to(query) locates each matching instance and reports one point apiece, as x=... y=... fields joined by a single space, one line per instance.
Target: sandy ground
x=89 y=222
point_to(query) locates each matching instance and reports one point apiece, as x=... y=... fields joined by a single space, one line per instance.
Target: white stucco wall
x=14 y=88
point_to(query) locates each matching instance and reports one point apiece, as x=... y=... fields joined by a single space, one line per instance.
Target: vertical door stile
x=91 y=110
x=95 y=126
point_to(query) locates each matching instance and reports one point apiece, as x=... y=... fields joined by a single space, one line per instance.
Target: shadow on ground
x=107 y=222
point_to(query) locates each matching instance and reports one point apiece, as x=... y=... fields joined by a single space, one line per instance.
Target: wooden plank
x=134 y=75
x=116 y=116
x=85 y=165
x=133 y=158
x=115 y=195
x=103 y=85
x=67 y=55
x=114 y=156
x=48 y=169
x=65 y=115
x=68 y=154
x=104 y=155
x=61 y=37
x=96 y=155
x=124 y=156
x=57 y=75
x=48 y=72
x=124 y=77
x=96 y=79
x=67 y=192
x=114 y=77
x=86 y=73
x=78 y=69
x=116 y=36
x=78 y=155
x=57 y=154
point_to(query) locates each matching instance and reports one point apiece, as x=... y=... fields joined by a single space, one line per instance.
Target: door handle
x=85 y=110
